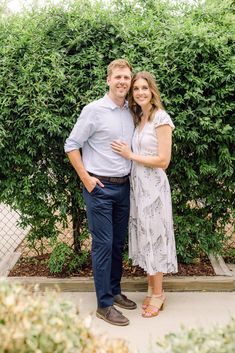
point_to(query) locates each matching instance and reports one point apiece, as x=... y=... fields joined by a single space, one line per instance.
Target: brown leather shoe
x=112 y=316
x=125 y=303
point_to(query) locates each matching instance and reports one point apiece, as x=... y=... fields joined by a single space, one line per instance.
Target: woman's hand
x=122 y=149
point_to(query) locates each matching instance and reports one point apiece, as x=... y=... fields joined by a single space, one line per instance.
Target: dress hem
x=152 y=273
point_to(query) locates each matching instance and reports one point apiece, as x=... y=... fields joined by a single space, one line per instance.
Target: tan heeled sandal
x=155 y=305
x=147 y=299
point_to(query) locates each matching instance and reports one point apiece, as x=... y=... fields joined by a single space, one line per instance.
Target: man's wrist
x=84 y=177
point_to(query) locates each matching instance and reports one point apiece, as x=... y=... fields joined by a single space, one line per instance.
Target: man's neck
x=118 y=101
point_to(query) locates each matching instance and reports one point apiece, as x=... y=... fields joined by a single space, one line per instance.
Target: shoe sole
x=125 y=307
x=111 y=322
x=149 y=317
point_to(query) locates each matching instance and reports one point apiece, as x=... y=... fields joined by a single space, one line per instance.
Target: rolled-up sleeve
x=82 y=130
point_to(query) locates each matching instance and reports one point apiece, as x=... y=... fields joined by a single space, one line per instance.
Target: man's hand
x=90 y=183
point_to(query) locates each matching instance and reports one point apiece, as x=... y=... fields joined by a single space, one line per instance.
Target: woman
x=151 y=234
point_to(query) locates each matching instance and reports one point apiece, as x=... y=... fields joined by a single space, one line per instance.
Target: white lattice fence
x=11 y=234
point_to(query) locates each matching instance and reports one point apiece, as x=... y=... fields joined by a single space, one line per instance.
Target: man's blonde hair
x=120 y=63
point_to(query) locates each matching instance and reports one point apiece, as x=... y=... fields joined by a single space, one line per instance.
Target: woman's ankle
x=158 y=294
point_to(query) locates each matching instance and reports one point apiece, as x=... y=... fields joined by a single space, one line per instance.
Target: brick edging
x=133 y=284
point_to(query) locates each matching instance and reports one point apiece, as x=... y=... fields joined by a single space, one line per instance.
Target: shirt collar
x=107 y=102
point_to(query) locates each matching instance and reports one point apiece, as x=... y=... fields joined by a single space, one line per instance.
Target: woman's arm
x=162 y=160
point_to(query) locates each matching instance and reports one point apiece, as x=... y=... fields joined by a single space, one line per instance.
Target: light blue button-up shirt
x=100 y=123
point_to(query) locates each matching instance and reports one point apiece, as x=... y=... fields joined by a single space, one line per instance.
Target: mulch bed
x=37 y=266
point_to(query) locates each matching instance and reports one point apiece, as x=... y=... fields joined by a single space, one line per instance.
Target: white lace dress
x=151 y=234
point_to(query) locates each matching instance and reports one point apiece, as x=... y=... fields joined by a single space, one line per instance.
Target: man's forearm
x=76 y=161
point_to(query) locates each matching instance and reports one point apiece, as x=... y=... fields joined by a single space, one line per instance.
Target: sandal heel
x=163 y=301
x=163 y=306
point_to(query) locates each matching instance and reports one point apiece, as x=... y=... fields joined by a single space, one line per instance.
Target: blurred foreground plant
x=219 y=339
x=30 y=322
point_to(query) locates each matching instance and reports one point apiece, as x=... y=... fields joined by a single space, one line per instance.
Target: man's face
x=119 y=82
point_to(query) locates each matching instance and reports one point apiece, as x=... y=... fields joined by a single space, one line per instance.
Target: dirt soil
x=38 y=266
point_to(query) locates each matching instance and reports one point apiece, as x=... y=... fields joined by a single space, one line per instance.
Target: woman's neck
x=146 y=112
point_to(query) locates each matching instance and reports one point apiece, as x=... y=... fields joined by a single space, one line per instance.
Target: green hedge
x=53 y=61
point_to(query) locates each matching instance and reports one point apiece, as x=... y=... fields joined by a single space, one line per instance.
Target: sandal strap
x=150 y=291
x=157 y=302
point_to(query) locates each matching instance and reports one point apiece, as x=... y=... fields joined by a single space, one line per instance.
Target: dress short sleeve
x=162 y=118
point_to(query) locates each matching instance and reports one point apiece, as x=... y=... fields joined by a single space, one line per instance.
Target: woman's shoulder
x=162 y=118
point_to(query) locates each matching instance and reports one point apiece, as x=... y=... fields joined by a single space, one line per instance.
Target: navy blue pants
x=108 y=213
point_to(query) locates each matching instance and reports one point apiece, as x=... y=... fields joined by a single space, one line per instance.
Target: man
x=106 y=191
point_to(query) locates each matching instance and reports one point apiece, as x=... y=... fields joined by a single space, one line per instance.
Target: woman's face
x=141 y=93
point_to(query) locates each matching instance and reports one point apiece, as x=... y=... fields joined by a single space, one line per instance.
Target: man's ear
x=108 y=80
